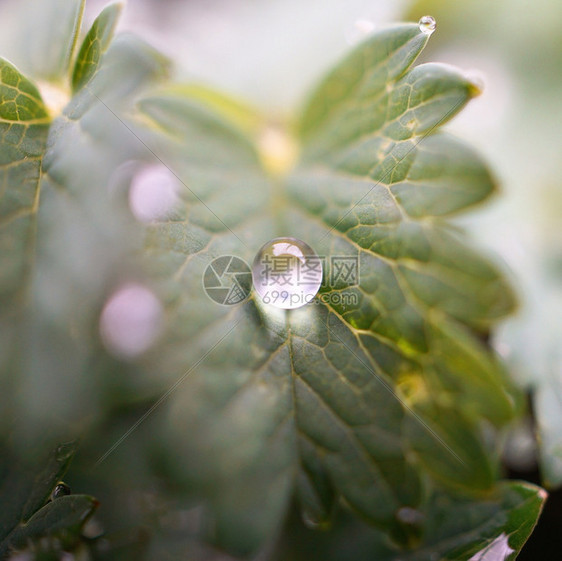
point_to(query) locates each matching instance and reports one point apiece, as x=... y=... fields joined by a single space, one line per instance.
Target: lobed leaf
x=358 y=401
x=334 y=399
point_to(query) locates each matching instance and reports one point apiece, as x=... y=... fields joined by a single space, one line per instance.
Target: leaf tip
x=542 y=494
x=114 y=10
x=475 y=83
x=66 y=450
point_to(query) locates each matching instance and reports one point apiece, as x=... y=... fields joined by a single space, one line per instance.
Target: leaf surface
x=24 y=126
x=355 y=397
x=459 y=530
x=337 y=398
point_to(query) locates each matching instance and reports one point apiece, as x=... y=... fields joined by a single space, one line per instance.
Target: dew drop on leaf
x=287 y=273
x=427 y=24
x=61 y=490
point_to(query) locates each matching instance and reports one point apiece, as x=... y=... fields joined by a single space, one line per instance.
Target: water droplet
x=287 y=273
x=61 y=490
x=427 y=24
x=130 y=321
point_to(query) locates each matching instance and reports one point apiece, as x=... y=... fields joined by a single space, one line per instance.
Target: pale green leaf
x=48 y=32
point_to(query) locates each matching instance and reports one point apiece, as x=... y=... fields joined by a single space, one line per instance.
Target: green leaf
x=63 y=516
x=24 y=125
x=25 y=492
x=486 y=530
x=323 y=398
x=58 y=227
x=363 y=74
x=443 y=165
x=27 y=514
x=94 y=46
x=506 y=531
x=21 y=101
